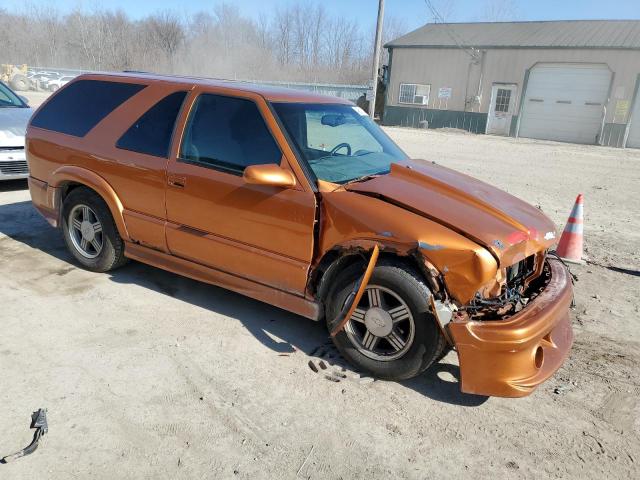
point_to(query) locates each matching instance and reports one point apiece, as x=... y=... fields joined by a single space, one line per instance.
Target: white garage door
x=565 y=102
x=633 y=140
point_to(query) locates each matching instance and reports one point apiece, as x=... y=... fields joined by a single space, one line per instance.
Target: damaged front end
x=509 y=344
x=518 y=285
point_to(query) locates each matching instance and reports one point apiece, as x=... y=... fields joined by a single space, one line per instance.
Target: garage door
x=565 y=102
x=633 y=140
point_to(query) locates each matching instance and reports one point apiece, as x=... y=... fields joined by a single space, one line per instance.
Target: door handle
x=177 y=181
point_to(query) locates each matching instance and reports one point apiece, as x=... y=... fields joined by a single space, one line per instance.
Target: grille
x=14 y=168
x=11 y=149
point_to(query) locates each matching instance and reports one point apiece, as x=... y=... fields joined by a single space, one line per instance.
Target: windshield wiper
x=363 y=178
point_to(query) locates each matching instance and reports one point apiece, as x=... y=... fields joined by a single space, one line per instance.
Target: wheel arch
x=343 y=256
x=69 y=177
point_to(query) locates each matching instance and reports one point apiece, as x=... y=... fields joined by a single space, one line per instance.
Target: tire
x=389 y=278
x=53 y=88
x=110 y=255
x=19 y=83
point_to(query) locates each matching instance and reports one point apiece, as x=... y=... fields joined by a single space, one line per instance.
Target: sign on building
x=445 y=92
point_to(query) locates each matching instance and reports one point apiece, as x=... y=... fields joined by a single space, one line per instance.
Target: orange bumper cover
x=511 y=358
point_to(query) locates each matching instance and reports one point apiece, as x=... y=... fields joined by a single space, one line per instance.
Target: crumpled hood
x=508 y=227
x=13 y=125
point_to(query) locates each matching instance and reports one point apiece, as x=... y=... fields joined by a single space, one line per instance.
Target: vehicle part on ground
x=392 y=333
x=39 y=422
x=90 y=232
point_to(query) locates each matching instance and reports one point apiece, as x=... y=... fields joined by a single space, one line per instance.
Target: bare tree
x=500 y=11
x=295 y=42
x=166 y=31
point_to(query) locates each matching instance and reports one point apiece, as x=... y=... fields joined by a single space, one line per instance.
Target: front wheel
x=392 y=333
x=90 y=232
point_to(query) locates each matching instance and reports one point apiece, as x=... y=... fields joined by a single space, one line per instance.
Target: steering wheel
x=335 y=149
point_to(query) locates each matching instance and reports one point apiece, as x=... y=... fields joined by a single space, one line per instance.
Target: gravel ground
x=150 y=375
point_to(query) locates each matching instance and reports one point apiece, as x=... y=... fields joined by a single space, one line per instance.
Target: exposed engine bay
x=523 y=284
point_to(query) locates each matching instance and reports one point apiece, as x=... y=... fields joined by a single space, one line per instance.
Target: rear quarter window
x=79 y=107
x=151 y=133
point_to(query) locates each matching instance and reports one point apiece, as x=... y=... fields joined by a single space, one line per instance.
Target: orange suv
x=301 y=201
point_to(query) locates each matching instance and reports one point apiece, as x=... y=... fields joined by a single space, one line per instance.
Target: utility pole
x=376 y=58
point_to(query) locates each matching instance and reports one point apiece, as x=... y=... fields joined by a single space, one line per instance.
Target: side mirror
x=269 y=174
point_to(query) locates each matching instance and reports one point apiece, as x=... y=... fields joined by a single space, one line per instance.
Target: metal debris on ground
x=39 y=422
x=328 y=361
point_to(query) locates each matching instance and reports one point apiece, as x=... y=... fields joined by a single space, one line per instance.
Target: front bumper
x=510 y=358
x=13 y=164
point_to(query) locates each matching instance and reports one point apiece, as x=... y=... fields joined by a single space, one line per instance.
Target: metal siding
x=448 y=67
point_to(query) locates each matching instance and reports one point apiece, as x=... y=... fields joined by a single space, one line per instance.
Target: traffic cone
x=570 y=245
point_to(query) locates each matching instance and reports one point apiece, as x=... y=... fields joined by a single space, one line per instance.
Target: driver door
x=262 y=233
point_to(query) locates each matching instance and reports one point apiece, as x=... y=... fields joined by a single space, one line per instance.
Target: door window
x=503 y=98
x=151 y=134
x=228 y=133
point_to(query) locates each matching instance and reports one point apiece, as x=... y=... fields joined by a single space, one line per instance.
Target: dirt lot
x=149 y=375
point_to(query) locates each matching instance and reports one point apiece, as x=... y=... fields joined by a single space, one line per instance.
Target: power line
x=474 y=53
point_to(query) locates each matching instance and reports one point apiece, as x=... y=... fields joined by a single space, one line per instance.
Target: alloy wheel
x=382 y=327
x=85 y=231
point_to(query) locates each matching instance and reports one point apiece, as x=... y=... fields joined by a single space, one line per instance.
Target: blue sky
x=414 y=12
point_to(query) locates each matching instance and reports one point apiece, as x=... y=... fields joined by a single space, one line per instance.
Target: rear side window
x=229 y=134
x=151 y=134
x=79 y=107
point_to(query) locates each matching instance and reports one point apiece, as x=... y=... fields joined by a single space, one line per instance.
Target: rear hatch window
x=79 y=107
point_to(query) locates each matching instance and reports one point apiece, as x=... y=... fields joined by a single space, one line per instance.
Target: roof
x=617 y=34
x=269 y=92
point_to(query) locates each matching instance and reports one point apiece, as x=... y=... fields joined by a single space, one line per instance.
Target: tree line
x=297 y=42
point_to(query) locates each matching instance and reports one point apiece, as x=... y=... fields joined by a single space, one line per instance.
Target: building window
x=414 y=94
x=503 y=99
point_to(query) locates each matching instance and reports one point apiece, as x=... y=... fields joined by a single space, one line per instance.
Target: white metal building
x=573 y=81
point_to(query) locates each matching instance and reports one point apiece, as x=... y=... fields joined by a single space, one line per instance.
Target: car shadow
x=281 y=331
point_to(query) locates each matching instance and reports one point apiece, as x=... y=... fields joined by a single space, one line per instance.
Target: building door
x=565 y=102
x=503 y=101
x=633 y=140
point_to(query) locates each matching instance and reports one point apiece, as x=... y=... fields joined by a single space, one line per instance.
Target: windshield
x=339 y=142
x=8 y=98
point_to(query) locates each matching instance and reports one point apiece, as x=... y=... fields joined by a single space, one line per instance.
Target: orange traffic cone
x=570 y=245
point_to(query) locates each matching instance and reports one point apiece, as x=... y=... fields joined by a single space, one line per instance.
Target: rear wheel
x=392 y=333
x=90 y=232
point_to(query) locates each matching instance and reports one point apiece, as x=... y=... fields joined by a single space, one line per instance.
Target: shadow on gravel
x=442 y=383
x=283 y=332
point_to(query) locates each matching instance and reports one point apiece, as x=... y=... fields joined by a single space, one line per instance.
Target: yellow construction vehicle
x=15 y=76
